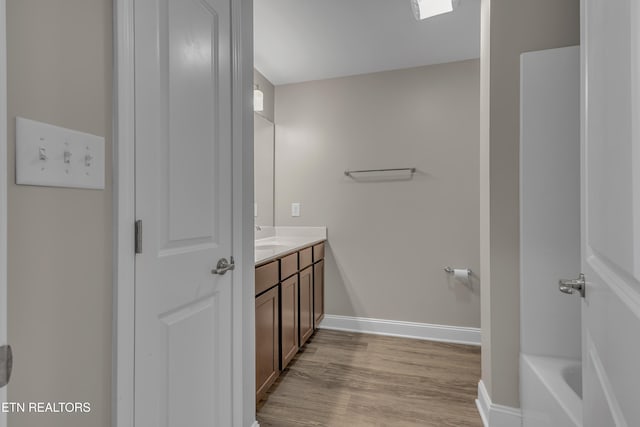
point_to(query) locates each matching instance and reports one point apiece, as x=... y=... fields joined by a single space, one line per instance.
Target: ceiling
x=302 y=40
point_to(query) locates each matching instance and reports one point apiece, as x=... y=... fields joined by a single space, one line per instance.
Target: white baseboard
x=423 y=331
x=494 y=415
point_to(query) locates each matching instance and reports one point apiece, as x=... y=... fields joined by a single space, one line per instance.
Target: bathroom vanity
x=289 y=288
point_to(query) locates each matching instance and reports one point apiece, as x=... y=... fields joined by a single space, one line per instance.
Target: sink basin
x=269 y=247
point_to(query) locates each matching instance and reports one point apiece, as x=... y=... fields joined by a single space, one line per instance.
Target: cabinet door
x=318 y=292
x=267 y=340
x=289 y=319
x=306 y=304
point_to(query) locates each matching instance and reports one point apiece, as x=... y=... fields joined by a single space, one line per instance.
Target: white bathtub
x=551 y=392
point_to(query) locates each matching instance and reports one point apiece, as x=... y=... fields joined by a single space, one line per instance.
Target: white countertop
x=275 y=242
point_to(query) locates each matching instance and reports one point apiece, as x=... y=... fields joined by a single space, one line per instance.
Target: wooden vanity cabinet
x=288 y=308
x=289 y=316
x=306 y=304
x=267 y=340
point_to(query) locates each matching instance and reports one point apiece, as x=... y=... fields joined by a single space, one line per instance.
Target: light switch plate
x=53 y=156
x=295 y=209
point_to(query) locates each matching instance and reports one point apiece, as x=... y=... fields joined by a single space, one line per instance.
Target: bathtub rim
x=544 y=368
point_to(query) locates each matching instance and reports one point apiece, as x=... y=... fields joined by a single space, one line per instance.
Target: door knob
x=570 y=286
x=223 y=266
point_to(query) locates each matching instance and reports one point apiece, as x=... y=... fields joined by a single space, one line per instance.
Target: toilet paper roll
x=461 y=274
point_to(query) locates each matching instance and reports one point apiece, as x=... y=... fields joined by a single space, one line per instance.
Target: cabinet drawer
x=318 y=252
x=288 y=266
x=266 y=276
x=305 y=258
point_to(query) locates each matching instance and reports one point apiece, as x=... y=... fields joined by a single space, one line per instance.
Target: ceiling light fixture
x=423 y=9
x=258 y=99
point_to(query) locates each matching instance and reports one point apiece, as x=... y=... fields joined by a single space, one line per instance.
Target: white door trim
x=3 y=189
x=124 y=215
x=244 y=383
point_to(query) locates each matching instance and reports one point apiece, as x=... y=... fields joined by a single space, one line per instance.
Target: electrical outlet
x=295 y=209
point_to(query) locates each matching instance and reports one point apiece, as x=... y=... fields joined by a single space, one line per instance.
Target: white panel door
x=611 y=212
x=183 y=197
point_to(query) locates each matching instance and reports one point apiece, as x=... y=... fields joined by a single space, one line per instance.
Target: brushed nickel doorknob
x=223 y=266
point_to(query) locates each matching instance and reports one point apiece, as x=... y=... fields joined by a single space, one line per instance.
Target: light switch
x=53 y=156
x=295 y=209
x=42 y=154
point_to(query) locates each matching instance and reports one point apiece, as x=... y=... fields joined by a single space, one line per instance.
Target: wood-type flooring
x=344 y=379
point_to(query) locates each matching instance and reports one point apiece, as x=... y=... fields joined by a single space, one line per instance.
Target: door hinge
x=138 y=238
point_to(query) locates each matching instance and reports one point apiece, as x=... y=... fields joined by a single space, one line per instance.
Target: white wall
x=60 y=240
x=388 y=240
x=549 y=201
x=508 y=28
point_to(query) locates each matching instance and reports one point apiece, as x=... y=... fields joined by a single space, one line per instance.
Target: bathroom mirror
x=263 y=142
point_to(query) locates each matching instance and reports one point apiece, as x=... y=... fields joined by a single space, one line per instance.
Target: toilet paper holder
x=450 y=270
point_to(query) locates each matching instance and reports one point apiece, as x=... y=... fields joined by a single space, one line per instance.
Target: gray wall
x=388 y=240
x=485 y=248
x=268 y=91
x=59 y=275
x=508 y=28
